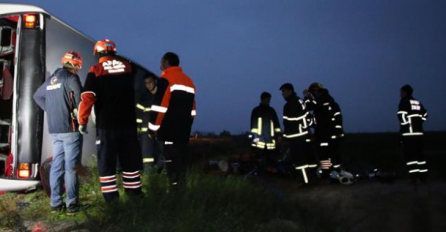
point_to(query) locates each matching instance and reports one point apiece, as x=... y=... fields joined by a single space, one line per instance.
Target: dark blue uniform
x=59 y=96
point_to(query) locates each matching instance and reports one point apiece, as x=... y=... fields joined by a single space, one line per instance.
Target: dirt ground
x=374 y=206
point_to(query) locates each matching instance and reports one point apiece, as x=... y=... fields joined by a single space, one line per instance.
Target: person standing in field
x=265 y=128
x=110 y=88
x=412 y=115
x=172 y=114
x=59 y=97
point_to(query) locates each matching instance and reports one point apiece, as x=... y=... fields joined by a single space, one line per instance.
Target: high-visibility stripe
x=255 y=130
x=402 y=112
x=326 y=104
x=312 y=165
x=412 y=163
x=339 y=126
x=337 y=113
x=259 y=125
x=139 y=106
x=304 y=173
x=414 y=170
x=130 y=173
x=295 y=135
x=168 y=143
x=153 y=127
x=278 y=130
x=132 y=187
x=295 y=119
x=333 y=137
x=108 y=180
x=413 y=134
x=159 y=109
x=148 y=160
x=423 y=170
x=138 y=120
x=144 y=129
x=302 y=167
x=107 y=177
x=147 y=109
x=98 y=142
x=194 y=113
x=324 y=144
x=422 y=163
x=271 y=128
x=131 y=183
x=337 y=166
x=182 y=88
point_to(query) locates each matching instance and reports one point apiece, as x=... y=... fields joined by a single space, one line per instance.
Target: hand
x=83 y=129
x=75 y=113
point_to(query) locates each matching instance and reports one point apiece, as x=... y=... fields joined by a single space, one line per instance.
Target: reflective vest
x=412 y=115
x=264 y=127
x=296 y=119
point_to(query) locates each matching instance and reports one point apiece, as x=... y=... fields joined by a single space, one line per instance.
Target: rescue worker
x=328 y=131
x=149 y=146
x=59 y=97
x=296 y=123
x=265 y=128
x=110 y=88
x=412 y=115
x=172 y=115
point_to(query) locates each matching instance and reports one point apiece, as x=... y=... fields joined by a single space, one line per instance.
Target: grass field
x=232 y=203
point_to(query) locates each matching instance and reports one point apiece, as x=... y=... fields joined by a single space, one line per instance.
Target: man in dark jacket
x=172 y=115
x=110 y=88
x=149 y=145
x=296 y=122
x=328 y=131
x=59 y=97
x=412 y=115
x=265 y=127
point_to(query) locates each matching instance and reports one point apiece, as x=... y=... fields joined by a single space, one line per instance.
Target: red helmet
x=104 y=45
x=72 y=58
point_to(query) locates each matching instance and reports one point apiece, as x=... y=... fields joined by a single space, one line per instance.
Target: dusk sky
x=362 y=51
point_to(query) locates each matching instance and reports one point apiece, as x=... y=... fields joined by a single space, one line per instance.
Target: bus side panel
x=29 y=115
x=59 y=40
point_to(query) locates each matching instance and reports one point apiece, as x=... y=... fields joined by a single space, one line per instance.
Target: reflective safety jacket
x=328 y=121
x=110 y=88
x=265 y=127
x=143 y=107
x=173 y=108
x=411 y=114
x=296 y=119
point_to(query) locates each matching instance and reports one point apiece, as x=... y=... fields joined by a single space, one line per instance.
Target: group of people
x=130 y=127
x=313 y=128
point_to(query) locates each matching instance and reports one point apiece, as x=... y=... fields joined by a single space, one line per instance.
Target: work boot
x=76 y=208
x=57 y=209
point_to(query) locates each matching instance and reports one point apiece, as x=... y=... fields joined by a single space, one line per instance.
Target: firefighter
x=412 y=115
x=172 y=115
x=149 y=146
x=59 y=97
x=110 y=88
x=296 y=122
x=265 y=127
x=328 y=131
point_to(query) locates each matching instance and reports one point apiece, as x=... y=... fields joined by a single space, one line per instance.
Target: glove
x=83 y=129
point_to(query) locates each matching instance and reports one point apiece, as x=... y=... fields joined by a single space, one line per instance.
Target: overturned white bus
x=31 y=44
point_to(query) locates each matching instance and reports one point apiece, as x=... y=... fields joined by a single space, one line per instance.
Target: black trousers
x=150 y=149
x=122 y=145
x=413 y=152
x=175 y=155
x=302 y=152
x=328 y=152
